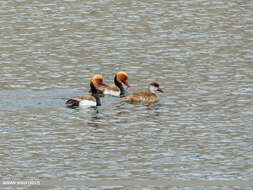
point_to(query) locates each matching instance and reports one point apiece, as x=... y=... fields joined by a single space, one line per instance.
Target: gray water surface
x=200 y=52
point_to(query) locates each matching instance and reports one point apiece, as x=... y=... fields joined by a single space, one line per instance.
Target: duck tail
x=72 y=103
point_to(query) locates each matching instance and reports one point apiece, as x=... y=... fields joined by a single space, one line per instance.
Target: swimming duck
x=117 y=88
x=147 y=96
x=88 y=100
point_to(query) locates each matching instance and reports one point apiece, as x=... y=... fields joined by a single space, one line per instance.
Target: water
x=199 y=51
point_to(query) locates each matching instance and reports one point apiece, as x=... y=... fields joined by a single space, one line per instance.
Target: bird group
x=116 y=89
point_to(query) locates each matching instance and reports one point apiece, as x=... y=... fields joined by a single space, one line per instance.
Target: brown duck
x=146 y=96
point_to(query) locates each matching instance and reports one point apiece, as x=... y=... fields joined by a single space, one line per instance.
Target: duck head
x=154 y=87
x=95 y=82
x=122 y=77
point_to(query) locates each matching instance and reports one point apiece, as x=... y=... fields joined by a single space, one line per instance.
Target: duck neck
x=93 y=89
x=94 y=93
x=119 y=84
x=96 y=96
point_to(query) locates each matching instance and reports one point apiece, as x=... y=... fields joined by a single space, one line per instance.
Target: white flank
x=112 y=92
x=87 y=103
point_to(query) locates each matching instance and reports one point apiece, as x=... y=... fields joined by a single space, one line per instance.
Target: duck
x=145 y=96
x=117 y=88
x=88 y=100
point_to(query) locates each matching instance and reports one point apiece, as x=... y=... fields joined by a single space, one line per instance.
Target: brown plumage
x=112 y=87
x=148 y=96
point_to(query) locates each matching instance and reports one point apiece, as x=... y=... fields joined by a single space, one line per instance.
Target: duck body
x=117 y=88
x=83 y=102
x=112 y=90
x=142 y=96
x=86 y=101
x=146 y=96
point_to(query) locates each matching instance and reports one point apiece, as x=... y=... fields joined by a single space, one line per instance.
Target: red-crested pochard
x=88 y=100
x=117 y=88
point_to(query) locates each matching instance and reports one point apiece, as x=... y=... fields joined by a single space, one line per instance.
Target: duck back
x=141 y=96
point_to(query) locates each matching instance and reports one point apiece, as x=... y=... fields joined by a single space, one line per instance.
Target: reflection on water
x=200 y=53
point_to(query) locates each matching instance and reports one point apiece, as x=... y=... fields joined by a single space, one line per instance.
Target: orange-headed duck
x=146 y=96
x=88 y=100
x=117 y=88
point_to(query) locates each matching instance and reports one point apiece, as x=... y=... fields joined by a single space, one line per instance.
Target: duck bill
x=103 y=84
x=127 y=84
x=160 y=90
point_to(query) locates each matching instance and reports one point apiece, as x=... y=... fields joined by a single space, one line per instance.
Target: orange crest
x=98 y=80
x=122 y=76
